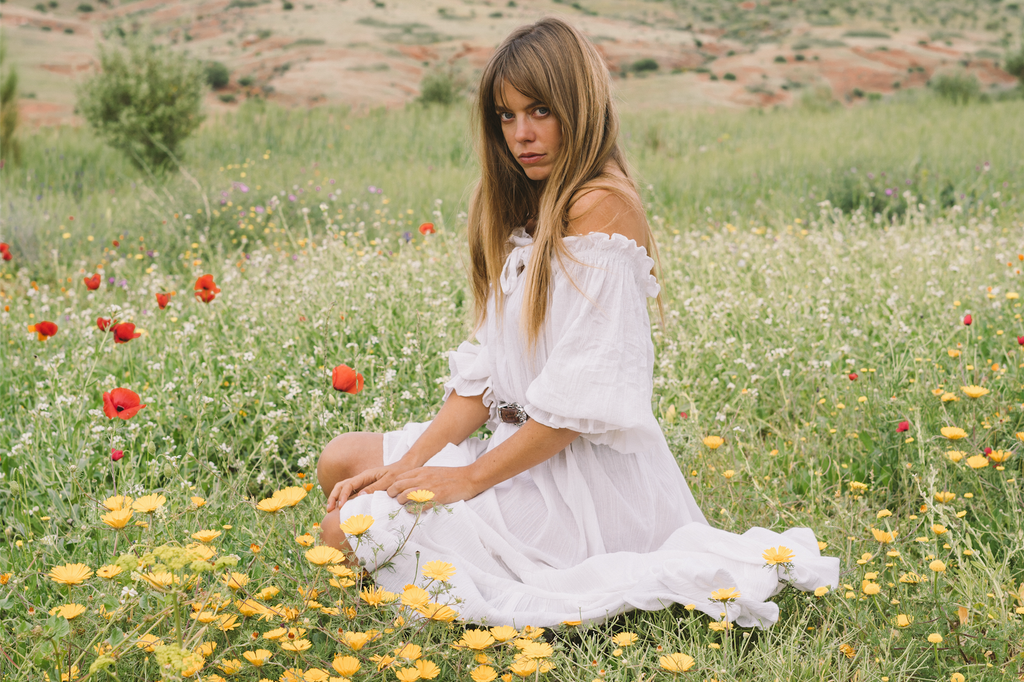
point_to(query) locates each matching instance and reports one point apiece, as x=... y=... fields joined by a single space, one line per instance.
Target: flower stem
x=177 y=620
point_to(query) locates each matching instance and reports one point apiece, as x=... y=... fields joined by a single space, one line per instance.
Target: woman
x=574 y=509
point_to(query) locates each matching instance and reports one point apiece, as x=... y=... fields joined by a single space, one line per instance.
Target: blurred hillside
x=669 y=53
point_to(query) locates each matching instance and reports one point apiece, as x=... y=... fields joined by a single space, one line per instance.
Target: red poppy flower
x=427 y=228
x=346 y=379
x=125 y=332
x=104 y=323
x=44 y=329
x=116 y=243
x=5 y=251
x=122 y=403
x=116 y=454
x=1020 y=340
x=968 y=319
x=988 y=451
x=92 y=283
x=163 y=299
x=853 y=376
x=903 y=426
x=206 y=288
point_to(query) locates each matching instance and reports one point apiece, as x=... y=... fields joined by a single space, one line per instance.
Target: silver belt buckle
x=512 y=413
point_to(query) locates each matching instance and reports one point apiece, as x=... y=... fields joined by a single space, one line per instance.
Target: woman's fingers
x=343 y=489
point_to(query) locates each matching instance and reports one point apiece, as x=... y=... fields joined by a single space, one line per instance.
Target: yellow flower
x=870 y=588
x=1019 y=435
x=191 y=664
x=346 y=666
x=409 y=652
x=676 y=663
x=357 y=524
x=321 y=554
x=944 y=497
x=315 y=675
x=1000 y=456
x=483 y=673
x=109 y=571
x=726 y=594
x=728 y=473
x=949 y=398
x=937 y=566
x=375 y=596
x=206 y=535
x=305 y=539
x=271 y=504
x=268 y=592
x=538 y=650
x=713 y=442
x=70 y=574
x=935 y=638
x=427 y=669
x=356 y=640
x=117 y=502
x=227 y=622
x=719 y=626
x=117 y=519
x=974 y=391
x=503 y=633
x=407 y=674
x=442 y=571
x=977 y=462
x=858 y=486
x=148 y=643
x=159 y=579
x=953 y=353
x=421 y=496
x=938 y=528
x=292 y=675
x=257 y=658
x=206 y=649
x=883 y=513
x=953 y=432
x=149 y=503
x=440 y=612
x=955 y=456
x=476 y=639
x=231 y=666
x=523 y=667
x=847 y=650
x=820 y=591
x=957 y=677
x=624 y=639
x=296 y=645
x=235 y=580
x=68 y=611
x=197 y=501
x=885 y=537
x=903 y=620
x=415 y=597
x=291 y=495
x=205 y=617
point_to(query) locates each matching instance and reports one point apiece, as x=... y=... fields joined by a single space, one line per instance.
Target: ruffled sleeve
x=470 y=368
x=598 y=375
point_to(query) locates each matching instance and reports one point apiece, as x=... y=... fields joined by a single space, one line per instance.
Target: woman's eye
x=542 y=111
x=503 y=114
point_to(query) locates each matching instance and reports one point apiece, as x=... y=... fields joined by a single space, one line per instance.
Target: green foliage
x=1015 y=64
x=440 y=86
x=217 y=75
x=645 y=64
x=959 y=87
x=145 y=101
x=10 y=146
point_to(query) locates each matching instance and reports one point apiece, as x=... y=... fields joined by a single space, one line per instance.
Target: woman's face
x=531 y=131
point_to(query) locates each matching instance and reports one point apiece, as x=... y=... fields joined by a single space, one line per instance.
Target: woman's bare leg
x=344 y=457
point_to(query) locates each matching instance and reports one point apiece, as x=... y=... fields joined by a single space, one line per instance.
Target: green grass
x=772 y=299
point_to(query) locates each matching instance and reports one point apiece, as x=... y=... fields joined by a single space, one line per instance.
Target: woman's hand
x=449 y=484
x=371 y=480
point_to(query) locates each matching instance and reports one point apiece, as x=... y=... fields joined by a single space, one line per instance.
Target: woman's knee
x=347 y=455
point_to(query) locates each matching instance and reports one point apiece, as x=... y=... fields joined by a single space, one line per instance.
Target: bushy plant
x=958 y=87
x=146 y=101
x=9 y=148
x=441 y=86
x=217 y=75
x=646 y=64
x=1015 y=64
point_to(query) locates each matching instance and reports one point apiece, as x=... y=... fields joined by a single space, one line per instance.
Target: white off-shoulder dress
x=606 y=525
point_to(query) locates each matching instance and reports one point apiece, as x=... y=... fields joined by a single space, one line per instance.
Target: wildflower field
x=842 y=348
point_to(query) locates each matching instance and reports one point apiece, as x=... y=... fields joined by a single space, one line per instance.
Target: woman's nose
x=524 y=131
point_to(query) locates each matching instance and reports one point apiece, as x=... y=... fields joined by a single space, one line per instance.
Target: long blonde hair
x=550 y=62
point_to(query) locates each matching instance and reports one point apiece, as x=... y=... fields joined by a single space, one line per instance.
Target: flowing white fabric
x=608 y=524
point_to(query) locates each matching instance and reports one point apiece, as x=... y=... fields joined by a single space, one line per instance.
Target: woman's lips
x=530 y=158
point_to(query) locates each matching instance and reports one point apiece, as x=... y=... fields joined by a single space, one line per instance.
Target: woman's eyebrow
x=498 y=108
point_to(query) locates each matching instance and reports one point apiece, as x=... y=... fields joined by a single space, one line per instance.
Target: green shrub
x=246 y=81
x=217 y=75
x=729 y=76
x=958 y=87
x=779 y=59
x=85 y=7
x=440 y=86
x=1015 y=64
x=646 y=64
x=145 y=101
x=10 y=150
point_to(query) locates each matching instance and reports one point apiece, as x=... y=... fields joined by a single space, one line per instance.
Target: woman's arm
x=456 y=421
x=532 y=444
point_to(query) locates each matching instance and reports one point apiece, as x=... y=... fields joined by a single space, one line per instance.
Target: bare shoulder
x=607 y=211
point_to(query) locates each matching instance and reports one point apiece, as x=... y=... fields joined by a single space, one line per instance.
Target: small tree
x=441 y=86
x=1015 y=64
x=145 y=101
x=10 y=150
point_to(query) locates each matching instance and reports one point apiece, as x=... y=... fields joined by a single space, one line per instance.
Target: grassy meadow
x=818 y=270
